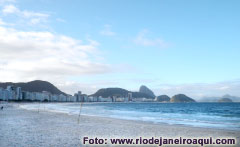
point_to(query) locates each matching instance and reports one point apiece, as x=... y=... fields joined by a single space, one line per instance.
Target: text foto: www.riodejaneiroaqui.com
x=160 y=141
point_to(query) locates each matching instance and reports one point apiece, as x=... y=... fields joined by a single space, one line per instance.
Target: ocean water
x=209 y=115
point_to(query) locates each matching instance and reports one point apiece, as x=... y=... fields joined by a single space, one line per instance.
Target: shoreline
x=20 y=126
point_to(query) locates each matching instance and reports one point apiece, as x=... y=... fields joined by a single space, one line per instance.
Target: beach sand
x=19 y=127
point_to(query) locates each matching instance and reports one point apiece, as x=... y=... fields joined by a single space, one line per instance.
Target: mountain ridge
x=146 y=90
x=109 y=92
x=34 y=86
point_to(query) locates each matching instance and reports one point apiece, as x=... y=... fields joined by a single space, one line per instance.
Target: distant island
x=163 y=98
x=220 y=99
x=224 y=100
x=181 y=98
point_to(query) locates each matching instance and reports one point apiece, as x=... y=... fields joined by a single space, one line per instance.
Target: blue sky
x=171 y=46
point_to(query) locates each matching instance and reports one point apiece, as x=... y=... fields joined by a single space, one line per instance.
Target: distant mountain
x=181 y=98
x=215 y=99
x=107 y=92
x=141 y=95
x=163 y=98
x=223 y=100
x=144 y=89
x=119 y=92
x=35 y=86
x=233 y=98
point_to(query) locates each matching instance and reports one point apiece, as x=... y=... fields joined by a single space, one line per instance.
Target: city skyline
x=189 y=47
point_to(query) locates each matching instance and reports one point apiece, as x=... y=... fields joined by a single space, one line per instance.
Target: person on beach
x=2 y=108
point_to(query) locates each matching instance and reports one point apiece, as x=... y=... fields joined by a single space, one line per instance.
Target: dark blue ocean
x=208 y=115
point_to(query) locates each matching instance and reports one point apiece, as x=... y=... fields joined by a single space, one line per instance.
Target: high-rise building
x=19 y=93
x=129 y=96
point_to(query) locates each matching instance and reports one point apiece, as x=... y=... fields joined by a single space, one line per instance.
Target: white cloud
x=2 y=22
x=29 y=17
x=141 y=39
x=60 y=20
x=107 y=31
x=27 y=56
x=31 y=55
x=72 y=87
x=6 y=1
x=10 y=9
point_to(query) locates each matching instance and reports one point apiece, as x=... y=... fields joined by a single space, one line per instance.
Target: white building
x=55 y=98
x=129 y=96
x=19 y=93
x=4 y=94
x=46 y=96
x=93 y=99
x=11 y=91
x=62 y=98
x=73 y=98
x=27 y=95
x=39 y=96
x=101 y=99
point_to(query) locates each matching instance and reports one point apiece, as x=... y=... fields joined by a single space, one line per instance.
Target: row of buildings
x=12 y=93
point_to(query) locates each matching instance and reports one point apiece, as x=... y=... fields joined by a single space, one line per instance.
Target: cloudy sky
x=172 y=47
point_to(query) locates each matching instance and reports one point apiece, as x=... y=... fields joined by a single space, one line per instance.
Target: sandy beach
x=21 y=127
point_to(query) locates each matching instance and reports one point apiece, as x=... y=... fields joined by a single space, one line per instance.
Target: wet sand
x=19 y=127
